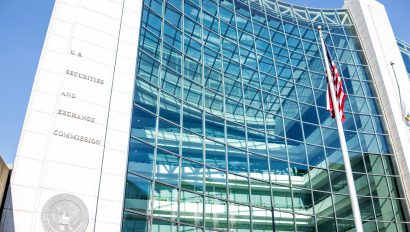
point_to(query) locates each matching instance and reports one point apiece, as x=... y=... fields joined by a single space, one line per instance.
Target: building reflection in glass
x=230 y=130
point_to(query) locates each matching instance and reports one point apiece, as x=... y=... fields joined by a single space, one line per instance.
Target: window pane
x=137 y=194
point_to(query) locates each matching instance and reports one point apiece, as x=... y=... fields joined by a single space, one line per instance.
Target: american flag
x=338 y=85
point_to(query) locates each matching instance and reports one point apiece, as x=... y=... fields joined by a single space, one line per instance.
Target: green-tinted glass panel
x=137 y=194
x=134 y=222
x=191 y=208
x=165 y=202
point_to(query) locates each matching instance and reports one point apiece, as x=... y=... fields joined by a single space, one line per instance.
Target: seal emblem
x=64 y=213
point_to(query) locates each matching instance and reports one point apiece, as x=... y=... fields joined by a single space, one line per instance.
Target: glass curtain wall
x=230 y=130
x=405 y=53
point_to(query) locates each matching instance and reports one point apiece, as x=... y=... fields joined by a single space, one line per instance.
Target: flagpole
x=403 y=105
x=346 y=159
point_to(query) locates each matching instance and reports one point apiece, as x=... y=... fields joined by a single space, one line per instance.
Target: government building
x=210 y=115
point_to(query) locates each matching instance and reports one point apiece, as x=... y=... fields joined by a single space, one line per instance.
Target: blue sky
x=23 y=25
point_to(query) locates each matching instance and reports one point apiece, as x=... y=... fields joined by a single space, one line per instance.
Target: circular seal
x=64 y=212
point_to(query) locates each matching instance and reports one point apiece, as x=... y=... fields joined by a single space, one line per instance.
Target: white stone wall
x=98 y=39
x=380 y=46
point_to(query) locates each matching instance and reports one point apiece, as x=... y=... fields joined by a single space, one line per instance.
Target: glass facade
x=230 y=130
x=405 y=53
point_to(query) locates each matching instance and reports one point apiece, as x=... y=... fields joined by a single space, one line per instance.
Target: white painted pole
x=403 y=104
x=348 y=168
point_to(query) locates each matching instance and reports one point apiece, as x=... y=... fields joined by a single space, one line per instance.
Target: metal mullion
x=201 y=23
x=391 y=197
x=281 y=112
x=264 y=122
x=160 y=73
x=181 y=116
x=297 y=101
x=307 y=156
x=245 y=123
x=224 y=117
